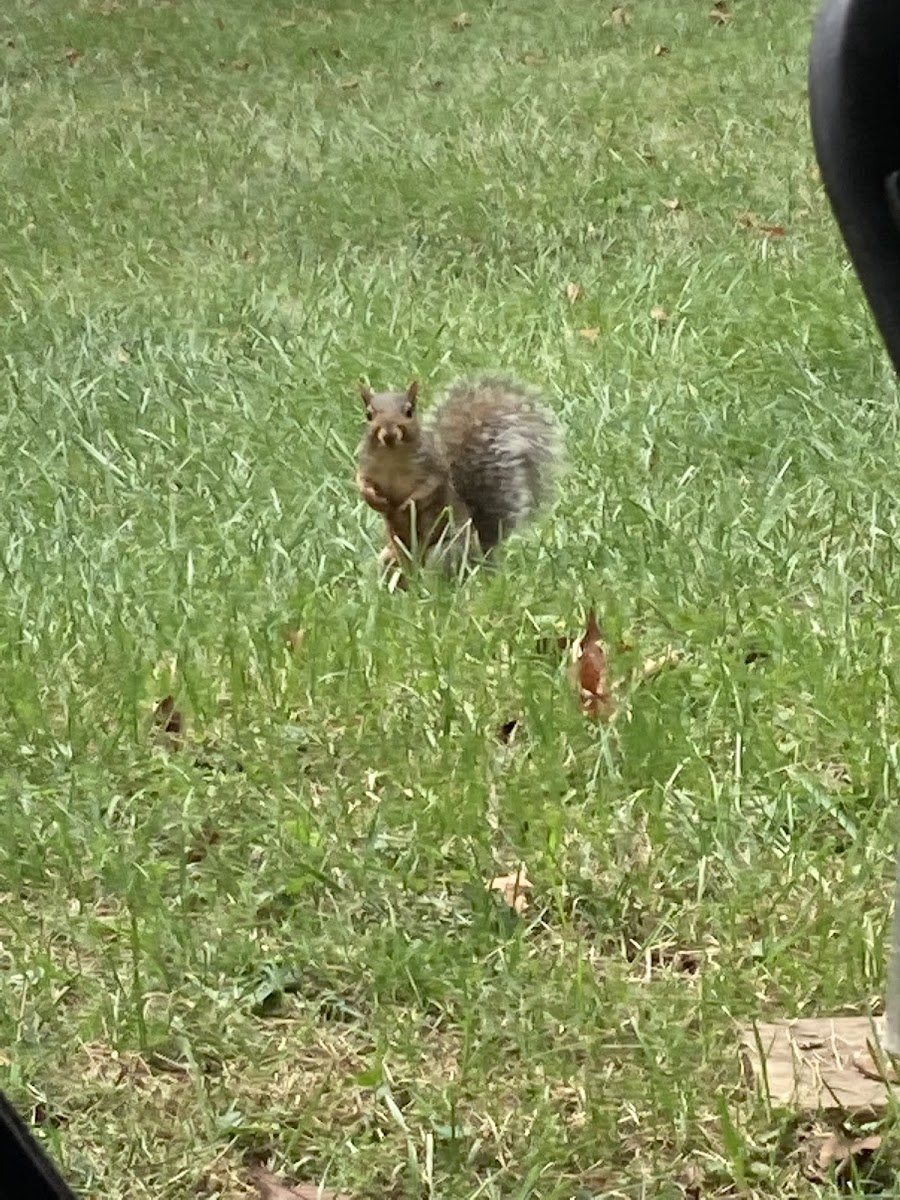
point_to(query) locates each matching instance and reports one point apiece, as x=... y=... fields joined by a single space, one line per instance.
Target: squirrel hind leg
x=489 y=532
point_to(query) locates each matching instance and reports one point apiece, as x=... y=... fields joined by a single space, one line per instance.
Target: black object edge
x=854 y=103
x=26 y=1173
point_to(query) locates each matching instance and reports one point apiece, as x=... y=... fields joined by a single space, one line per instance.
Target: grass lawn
x=215 y=218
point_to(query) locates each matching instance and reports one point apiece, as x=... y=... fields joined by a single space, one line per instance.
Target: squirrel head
x=391 y=415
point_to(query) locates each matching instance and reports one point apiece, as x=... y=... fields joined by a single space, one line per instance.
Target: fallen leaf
x=169 y=722
x=672 y=205
x=773 y=230
x=349 y=84
x=72 y=56
x=270 y=1187
x=590 y=333
x=122 y=355
x=620 y=16
x=840 y=1154
x=532 y=60
x=692 y=1179
x=460 y=22
x=574 y=291
x=659 y=50
x=747 y=219
x=589 y=671
x=659 y=314
x=241 y=64
x=720 y=13
x=512 y=889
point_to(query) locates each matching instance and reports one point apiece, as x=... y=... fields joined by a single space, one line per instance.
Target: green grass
x=215 y=220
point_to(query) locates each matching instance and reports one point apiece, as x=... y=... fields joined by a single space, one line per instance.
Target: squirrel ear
x=366 y=393
x=412 y=391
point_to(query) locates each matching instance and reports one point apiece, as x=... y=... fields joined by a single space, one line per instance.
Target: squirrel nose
x=389 y=436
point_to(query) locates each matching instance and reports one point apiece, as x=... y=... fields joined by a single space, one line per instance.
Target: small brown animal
x=485 y=463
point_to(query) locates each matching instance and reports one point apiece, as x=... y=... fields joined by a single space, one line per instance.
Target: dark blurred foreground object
x=849 y=1064
x=854 y=101
x=26 y=1173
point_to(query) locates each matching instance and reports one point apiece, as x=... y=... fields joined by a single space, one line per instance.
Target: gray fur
x=504 y=448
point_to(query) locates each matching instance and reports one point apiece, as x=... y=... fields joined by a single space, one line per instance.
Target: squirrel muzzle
x=390 y=435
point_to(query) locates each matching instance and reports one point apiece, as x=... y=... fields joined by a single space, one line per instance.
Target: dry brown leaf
x=169 y=722
x=620 y=16
x=590 y=333
x=574 y=291
x=659 y=314
x=512 y=889
x=72 y=56
x=349 y=84
x=672 y=205
x=749 y=220
x=840 y=1153
x=720 y=13
x=589 y=671
x=532 y=60
x=692 y=1179
x=122 y=355
x=270 y=1187
x=460 y=22
x=659 y=50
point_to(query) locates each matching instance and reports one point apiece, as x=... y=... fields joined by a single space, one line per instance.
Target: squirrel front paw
x=391 y=571
x=374 y=498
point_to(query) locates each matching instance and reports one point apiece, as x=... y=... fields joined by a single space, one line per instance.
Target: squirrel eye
x=408 y=411
x=370 y=413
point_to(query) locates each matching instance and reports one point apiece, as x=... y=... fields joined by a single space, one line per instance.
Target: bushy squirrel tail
x=504 y=448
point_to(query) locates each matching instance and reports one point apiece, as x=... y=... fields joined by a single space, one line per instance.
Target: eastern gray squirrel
x=486 y=462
